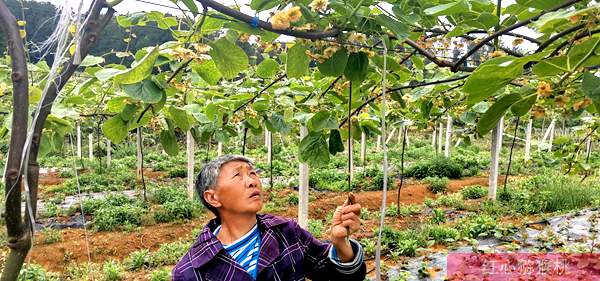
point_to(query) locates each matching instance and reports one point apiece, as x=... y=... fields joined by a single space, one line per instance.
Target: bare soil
x=118 y=245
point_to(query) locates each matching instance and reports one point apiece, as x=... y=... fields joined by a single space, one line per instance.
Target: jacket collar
x=207 y=246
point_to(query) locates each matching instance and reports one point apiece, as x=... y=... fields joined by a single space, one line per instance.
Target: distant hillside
x=41 y=22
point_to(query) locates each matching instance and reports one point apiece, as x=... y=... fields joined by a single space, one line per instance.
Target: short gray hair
x=207 y=177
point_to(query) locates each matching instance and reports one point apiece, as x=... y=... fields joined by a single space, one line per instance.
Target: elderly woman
x=240 y=244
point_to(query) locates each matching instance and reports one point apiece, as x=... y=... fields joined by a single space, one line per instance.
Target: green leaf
x=551 y=66
x=398 y=28
x=276 y=123
x=314 y=150
x=357 y=67
x=228 y=57
x=265 y=36
x=90 y=60
x=493 y=75
x=191 y=5
x=146 y=91
x=523 y=106
x=322 y=120
x=491 y=117
x=590 y=86
x=208 y=71
x=459 y=6
x=335 y=142
x=115 y=129
x=540 y=4
x=335 y=65
x=180 y=117
x=267 y=68
x=261 y=5
x=107 y=73
x=140 y=71
x=297 y=61
x=390 y=63
x=169 y=142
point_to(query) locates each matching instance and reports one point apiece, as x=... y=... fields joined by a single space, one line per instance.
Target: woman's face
x=238 y=188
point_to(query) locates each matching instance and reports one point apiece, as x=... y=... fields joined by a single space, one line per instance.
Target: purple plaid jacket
x=287 y=253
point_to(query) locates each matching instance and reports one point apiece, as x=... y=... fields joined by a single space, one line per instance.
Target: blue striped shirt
x=245 y=250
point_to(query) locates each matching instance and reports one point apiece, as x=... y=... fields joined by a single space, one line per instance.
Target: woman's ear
x=212 y=198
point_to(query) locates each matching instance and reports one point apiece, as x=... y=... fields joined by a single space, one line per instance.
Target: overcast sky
x=130 y=6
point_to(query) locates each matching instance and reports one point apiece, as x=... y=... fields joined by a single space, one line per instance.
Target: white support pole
x=448 y=145
x=433 y=136
x=108 y=153
x=303 y=188
x=139 y=153
x=551 y=137
x=495 y=155
x=219 y=148
x=390 y=136
x=407 y=137
x=378 y=143
x=548 y=131
x=528 y=140
x=400 y=133
x=458 y=142
x=363 y=148
x=588 y=146
x=78 y=140
x=440 y=137
x=190 y=164
x=91 y=146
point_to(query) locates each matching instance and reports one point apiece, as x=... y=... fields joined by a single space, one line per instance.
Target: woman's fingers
x=352 y=209
x=353 y=225
x=349 y=216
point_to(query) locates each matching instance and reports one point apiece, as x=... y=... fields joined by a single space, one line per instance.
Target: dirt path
x=118 y=245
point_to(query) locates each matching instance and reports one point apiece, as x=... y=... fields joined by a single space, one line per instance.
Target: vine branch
x=417 y=85
x=258 y=94
x=508 y=29
x=267 y=26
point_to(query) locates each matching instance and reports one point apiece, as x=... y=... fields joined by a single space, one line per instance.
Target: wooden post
x=219 y=148
x=495 y=155
x=363 y=148
x=303 y=188
x=448 y=136
x=108 y=153
x=78 y=140
x=190 y=164
x=528 y=140
x=440 y=137
x=91 y=147
x=139 y=153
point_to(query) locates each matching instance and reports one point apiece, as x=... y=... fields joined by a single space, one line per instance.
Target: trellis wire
x=87 y=241
x=385 y=166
